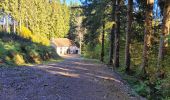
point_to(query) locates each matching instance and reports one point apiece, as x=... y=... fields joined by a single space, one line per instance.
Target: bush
x=2 y=49
x=39 y=38
x=92 y=51
x=19 y=51
x=25 y=33
x=18 y=59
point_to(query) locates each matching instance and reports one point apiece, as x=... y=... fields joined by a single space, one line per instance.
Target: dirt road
x=72 y=79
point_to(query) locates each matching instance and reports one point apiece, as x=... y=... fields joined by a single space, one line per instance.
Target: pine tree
x=112 y=34
x=128 y=32
x=165 y=32
x=147 y=35
x=117 y=34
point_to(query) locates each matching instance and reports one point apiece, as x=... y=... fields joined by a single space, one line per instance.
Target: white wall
x=62 y=50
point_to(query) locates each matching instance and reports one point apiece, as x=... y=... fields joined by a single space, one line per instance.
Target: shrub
x=92 y=52
x=2 y=49
x=19 y=51
x=25 y=33
x=18 y=59
x=39 y=38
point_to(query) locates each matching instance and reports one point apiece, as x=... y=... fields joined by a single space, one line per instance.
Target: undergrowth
x=16 y=50
x=151 y=87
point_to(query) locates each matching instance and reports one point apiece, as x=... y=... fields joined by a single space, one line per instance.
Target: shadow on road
x=72 y=79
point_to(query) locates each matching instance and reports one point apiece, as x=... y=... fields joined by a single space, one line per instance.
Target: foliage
x=18 y=59
x=19 y=51
x=93 y=51
x=38 y=38
x=94 y=18
x=25 y=33
x=154 y=85
x=44 y=17
x=75 y=16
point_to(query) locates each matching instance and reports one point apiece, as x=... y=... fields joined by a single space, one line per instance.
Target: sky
x=155 y=10
x=74 y=1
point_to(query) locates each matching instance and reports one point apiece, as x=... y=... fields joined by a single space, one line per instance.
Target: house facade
x=64 y=46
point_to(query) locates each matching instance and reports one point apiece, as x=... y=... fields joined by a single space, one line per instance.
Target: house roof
x=63 y=42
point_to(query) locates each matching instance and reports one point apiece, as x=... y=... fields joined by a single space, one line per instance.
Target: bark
x=165 y=32
x=111 y=46
x=112 y=35
x=117 y=35
x=4 y=24
x=20 y=19
x=147 y=35
x=14 y=27
x=7 y=24
x=128 y=32
x=20 y=25
x=102 y=50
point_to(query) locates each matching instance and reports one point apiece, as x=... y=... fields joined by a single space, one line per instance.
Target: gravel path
x=72 y=79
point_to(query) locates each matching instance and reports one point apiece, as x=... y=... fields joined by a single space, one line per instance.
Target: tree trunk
x=111 y=46
x=14 y=27
x=20 y=18
x=102 y=50
x=7 y=23
x=4 y=24
x=165 y=32
x=20 y=25
x=128 y=38
x=117 y=35
x=147 y=35
x=112 y=35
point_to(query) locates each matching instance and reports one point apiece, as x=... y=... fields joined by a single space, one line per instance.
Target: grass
x=53 y=61
x=95 y=61
x=17 y=51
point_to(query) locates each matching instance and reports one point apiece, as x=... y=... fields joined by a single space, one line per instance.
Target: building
x=64 y=46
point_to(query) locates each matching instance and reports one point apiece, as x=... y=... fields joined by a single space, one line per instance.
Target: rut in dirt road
x=72 y=79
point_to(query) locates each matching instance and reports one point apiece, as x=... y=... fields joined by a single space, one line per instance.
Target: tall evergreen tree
x=112 y=33
x=147 y=35
x=128 y=32
x=165 y=31
x=117 y=34
x=42 y=18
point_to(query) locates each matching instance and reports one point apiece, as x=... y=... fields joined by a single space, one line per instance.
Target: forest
x=26 y=29
x=129 y=36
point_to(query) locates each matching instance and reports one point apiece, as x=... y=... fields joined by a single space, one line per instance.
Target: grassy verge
x=18 y=51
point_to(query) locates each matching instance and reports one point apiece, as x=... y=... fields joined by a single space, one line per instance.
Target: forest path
x=73 y=79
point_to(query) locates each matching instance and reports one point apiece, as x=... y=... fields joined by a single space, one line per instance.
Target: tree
x=147 y=35
x=117 y=34
x=97 y=15
x=103 y=37
x=165 y=31
x=128 y=32
x=41 y=17
x=74 y=15
x=112 y=34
